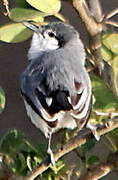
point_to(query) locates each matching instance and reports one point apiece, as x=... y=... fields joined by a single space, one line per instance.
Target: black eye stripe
x=51 y=34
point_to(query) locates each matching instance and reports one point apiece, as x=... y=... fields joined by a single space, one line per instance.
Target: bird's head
x=52 y=36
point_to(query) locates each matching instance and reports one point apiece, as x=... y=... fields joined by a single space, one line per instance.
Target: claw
x=93 y=128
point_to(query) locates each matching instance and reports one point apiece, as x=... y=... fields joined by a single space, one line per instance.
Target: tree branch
x=73 y=143
x=94 y=28
x=96 y=10
x=85 y=14
x=93 y=20
x=102 y=169
x=112 y=13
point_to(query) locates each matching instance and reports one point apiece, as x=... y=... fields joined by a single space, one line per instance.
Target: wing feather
x=35 y=90
x=81 y=102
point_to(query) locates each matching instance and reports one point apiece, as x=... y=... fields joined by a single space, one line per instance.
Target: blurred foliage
x=110 y=41
x=20 y=156
x=87 y=146
x=105 y=103
x=109 y=52
x=92 y=160
x=111 y=140
x=2 y=100
x=104 y=99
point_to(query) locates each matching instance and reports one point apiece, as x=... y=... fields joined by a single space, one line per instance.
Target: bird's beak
x=33 y=27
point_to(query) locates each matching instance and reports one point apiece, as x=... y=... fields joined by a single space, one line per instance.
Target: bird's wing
x=49 y=105
x=34 y=88
x=81 y=101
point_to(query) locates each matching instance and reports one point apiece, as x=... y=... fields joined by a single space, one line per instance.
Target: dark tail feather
x=60 y=102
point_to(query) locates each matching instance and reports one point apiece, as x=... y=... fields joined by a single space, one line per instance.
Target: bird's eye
x=51 y=34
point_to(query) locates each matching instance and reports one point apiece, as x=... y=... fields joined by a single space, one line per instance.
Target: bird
x=55 y=84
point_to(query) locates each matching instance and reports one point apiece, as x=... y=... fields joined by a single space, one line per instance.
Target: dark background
x=13 y=59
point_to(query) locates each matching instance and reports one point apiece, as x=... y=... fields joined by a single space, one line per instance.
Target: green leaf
x=111 y=42
x=19 y=164
x=21 y=3
x=2 y=100
x=48 y=6
x=88 y=145
x=22 y=154
x=92 y=160
x=23 y=14
x=114 y=64
x=40 y=148
x=106 y=53
x=112 y=140
x=14 y=141
x=15 y=32
x=11 y=142
x=29 y=163
x=104 y=98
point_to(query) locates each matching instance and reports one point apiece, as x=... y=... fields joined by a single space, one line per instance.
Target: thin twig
x=112 y=13
x=112 y=23
x=73 y=143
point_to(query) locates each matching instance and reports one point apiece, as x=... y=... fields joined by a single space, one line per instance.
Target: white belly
x=64 y=121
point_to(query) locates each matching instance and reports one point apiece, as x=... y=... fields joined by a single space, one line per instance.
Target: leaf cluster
x=28 y=10
x=20 y=156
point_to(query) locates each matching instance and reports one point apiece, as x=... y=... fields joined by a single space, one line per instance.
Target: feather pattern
x=56 y=86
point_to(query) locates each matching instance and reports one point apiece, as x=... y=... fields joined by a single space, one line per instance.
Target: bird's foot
x=93 y=129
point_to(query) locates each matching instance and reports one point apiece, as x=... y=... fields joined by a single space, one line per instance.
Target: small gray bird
x=55 y=85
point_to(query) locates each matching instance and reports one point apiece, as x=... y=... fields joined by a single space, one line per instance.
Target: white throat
x=39 y=44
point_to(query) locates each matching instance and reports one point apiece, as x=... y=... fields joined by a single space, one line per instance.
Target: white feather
x=39 y=44
x=82 y=100
x=48 y=101
x=64 y=121
x=69 y=99
x=37 y=121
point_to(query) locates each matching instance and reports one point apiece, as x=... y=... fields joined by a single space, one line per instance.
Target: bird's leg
x=49 y=150
x=93 y=129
